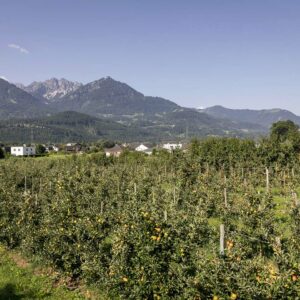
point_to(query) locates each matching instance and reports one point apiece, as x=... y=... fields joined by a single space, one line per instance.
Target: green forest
x=219 y=221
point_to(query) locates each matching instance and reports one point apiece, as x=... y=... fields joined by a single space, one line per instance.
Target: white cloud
x=18 y=47
x=3 y=77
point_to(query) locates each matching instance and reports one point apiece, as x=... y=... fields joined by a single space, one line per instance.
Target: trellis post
x=40 y=189
x=267 y=180
x=174 y=195
x=222 y=239
x=165 y=216
x=25 y=184
x=153 y=197
x=225 y=198
x=101 y=207
x=295 y=198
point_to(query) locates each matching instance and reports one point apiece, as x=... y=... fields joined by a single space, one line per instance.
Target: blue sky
x=236 y=53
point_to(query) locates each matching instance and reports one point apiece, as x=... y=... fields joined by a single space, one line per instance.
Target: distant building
x=23 y=151
x=74 y=147
x=51 y=148
x=141 y=148
x=171 y=147
x=114 y=151
x=149 y=151
x=55 y=148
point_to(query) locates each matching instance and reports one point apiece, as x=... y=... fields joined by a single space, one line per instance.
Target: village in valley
x=110 y=149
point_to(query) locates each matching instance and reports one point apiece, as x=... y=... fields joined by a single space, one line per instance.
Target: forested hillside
x=263 y=117
x=65 y=127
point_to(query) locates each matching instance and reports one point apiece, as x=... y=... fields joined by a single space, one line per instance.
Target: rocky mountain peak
x=51 y=89
x=111 y=86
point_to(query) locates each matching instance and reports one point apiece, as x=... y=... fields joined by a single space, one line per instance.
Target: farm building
x=149 y=151
x=114 y=151
x=171 y=147
x=74 y=148
x=23 y=151
x=141 y=147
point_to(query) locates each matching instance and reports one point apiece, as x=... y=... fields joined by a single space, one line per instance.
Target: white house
x=149 y=151
x=116 y=150
x=23 y=151
x=141 y=148
x=171 y=147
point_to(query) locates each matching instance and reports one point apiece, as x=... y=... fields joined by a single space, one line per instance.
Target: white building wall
x=171 y=147
x=141 y=148
x=23 y=151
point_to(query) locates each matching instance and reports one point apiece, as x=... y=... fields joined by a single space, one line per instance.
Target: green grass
x=22 y=283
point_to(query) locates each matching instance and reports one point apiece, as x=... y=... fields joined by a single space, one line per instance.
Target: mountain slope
x=139 y=117
x=72 y=126
x=264 y=117
x=51 y=89
x=65 y=127
x=16 y=103
x=109 y=98
x=192 y=123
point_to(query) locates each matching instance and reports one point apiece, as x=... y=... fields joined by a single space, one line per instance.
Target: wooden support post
x=295 y=198
x=134 y=188
x=101 y=207
x=174 y=195
x=25 y=185
x=222 y=239
x=32 y=188
x=153 y=197
x=278 y=243
x=40 y=189
x=165 y=216
x=267 y=180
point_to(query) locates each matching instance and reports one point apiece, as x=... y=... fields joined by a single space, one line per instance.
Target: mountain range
x=16 y=103
x=60 y=110
x=264 y=117
x=51 y=89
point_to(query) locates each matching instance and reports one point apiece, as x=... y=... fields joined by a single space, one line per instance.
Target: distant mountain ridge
x=108 y=97
x=51 y=89
x=264 y=117
x=16 y=103
x=141 y=117
x=111 y=99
